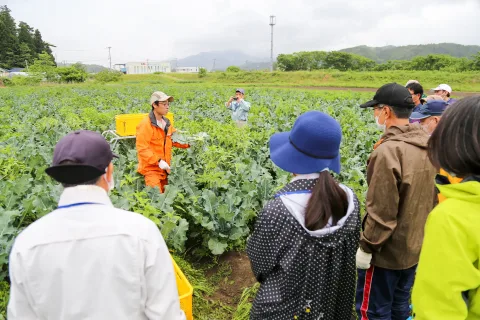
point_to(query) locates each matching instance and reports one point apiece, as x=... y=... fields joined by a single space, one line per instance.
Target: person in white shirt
x=87 y=259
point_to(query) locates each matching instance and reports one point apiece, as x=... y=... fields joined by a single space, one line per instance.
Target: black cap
x=391 y=94
x=90 y=153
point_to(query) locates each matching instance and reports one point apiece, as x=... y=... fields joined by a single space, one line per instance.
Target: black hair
x=416 y=88
x=328 y=200
x=455 y=144
x=86 y=183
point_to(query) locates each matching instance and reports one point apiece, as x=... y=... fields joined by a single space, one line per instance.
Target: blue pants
x=384 y=294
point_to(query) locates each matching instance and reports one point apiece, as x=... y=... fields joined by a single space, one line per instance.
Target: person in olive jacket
x=401 y=193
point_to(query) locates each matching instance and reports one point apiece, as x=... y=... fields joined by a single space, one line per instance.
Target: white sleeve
x=162 y=301
x=19 y=306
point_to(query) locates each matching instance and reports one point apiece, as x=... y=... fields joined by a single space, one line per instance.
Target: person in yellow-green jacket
x=447 y=284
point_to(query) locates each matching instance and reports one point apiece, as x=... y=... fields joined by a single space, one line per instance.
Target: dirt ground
x=231 y=287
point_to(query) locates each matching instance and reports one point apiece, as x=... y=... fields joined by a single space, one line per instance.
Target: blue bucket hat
x=431 y=108
x=312 y=146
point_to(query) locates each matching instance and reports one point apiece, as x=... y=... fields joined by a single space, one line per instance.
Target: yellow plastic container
x=126 y=124
x=185 y=291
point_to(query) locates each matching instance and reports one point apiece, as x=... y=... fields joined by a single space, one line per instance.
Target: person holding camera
x=239 y=107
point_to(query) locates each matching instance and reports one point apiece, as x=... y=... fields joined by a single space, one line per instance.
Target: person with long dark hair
x=447 y=284
x=303 y=247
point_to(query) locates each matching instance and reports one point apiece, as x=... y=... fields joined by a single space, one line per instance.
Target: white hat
x=412 y=81
x=160 y=96
x=443 y=86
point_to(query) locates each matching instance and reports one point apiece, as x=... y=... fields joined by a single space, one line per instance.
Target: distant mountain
x=382 y=54
x=90 y=68
x=223 y=59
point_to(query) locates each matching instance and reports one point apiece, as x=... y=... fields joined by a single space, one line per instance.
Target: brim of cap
x=419 y=116
x=369 y=104
x=288 y=158
x=74 y=174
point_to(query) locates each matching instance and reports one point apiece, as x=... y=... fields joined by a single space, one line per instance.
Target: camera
x=235 y=98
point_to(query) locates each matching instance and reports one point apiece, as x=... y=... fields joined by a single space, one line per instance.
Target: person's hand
x=230 y=100
x=163 y=165
x=363 y=259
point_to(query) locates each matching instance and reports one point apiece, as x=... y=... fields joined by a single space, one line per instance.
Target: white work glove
x=163 y=165
x=363 y=259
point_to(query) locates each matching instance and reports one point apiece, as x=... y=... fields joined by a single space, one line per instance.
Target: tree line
x=19 y=45
x=343 y=61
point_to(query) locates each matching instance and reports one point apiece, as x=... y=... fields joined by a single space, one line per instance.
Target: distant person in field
x=154 y=142
x=87 y=259
x=444 y=90
x=239 y=107
x=303 y=246
x=447 y=284
x=416 y=90
x=401 y=193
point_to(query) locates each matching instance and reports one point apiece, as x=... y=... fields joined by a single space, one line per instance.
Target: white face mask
x=381 y=127
x=427 y=128
x=111 y=184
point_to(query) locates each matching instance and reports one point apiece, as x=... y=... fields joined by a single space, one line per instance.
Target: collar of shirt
x=161 y=123
x=308 y=176
x=90 y=193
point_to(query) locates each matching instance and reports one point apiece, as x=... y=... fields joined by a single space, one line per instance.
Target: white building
x=187 y=69
x=147 y=67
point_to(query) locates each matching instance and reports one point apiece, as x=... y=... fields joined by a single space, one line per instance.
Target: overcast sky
x=154 y=29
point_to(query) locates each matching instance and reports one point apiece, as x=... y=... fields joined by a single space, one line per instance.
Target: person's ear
x=388 y=112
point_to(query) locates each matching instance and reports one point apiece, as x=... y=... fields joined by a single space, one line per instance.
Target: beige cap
x=160 y=96
x=433 y=97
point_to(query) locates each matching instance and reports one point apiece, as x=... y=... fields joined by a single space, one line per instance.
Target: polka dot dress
x=301 y=276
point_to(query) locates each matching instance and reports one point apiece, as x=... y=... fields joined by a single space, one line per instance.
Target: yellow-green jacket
x=447 y=284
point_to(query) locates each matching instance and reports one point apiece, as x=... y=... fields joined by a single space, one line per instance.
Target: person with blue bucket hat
x=303 y=246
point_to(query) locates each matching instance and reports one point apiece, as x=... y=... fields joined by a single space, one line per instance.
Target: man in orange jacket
x=154 y=142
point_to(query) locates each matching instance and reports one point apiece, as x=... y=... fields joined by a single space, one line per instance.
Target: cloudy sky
x=157 y=29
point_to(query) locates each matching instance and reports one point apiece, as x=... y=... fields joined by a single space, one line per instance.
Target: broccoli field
x=216 y=188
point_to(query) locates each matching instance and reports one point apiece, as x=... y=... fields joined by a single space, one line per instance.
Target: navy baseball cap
x=391 y=94
x=240 y=90
x=88 y=155
x=431 y=108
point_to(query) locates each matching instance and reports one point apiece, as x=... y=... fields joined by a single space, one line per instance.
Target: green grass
x=466 y=81
x=4 y=294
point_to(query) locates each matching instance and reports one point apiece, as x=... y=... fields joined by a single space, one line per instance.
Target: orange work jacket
x=154 y=144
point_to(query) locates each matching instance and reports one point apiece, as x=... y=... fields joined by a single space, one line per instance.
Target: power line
x=110 y=57
x=273 y=21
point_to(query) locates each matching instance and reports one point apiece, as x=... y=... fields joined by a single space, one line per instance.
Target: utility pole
x=213 y=69
x=273 y=21
x=110 y=57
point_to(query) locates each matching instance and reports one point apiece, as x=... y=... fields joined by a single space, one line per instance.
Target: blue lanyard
x=76 y=205
x=292 y=192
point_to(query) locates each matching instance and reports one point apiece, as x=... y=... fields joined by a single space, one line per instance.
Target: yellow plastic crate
x=185 y=291
x=126 y=124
